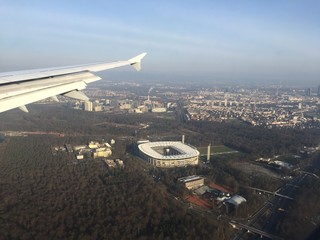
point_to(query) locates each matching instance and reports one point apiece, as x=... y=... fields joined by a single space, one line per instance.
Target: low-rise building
x=93 y=145
x=120 y=163
x=159 y=110
x=79 y=147
x=236 y=200
x=98 y=108
x=69 y=148
x=80 y=157
x=102 y=152
x=192 y=182
x=110 y=163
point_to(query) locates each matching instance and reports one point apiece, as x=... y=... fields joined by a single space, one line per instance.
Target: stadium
x=168 y=154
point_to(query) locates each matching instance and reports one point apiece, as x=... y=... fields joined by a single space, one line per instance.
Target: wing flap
x=30 y=97
x=29 y=86
x=20 y=88
x=75 y=94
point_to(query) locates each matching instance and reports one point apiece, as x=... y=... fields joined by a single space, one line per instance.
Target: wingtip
x=136 y=61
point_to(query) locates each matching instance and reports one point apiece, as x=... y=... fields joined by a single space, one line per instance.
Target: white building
x=236 y=200
x=88 y=106
x=159 y=110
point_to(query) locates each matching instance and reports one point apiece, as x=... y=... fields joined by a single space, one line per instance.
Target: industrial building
x=168 y=154
x=192 y=182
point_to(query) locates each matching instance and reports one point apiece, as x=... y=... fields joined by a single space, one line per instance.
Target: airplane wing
x=23 y=87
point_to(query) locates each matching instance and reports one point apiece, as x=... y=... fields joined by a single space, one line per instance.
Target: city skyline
x=245 y=42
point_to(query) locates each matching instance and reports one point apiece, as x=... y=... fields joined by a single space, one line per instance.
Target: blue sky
x=256 y=41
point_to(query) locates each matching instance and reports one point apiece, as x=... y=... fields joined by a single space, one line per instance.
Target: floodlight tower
x=208 y=152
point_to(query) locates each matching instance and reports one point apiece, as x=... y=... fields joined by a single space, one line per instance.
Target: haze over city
x=237 y=42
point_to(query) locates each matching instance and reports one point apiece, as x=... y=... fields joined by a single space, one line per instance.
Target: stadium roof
x=185 y=151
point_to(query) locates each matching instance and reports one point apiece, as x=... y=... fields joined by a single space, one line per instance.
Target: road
x=181 y=112
x=266 y=218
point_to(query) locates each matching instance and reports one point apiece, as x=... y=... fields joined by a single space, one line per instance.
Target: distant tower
x=208 y=152
x=183 y=138
x=318 y=93
x=150 y=89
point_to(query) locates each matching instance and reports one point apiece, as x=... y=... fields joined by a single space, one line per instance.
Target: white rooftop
x=236 y=200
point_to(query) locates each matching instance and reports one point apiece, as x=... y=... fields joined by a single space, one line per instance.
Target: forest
x=45 y=196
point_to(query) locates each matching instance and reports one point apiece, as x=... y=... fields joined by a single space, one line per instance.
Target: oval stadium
x=168 y=154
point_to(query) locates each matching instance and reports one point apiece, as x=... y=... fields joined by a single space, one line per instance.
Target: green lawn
x=215 y=149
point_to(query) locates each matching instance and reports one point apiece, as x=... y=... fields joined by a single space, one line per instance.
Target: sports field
x=198 y=201
x=217 y=149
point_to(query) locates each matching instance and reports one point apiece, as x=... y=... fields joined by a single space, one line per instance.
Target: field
x=221 y=188
x=198 y=201
x=218 y=149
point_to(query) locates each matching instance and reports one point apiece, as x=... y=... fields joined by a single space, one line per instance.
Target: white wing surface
x=23 y=87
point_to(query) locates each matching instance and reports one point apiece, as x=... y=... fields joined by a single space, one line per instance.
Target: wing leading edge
x=20 y=88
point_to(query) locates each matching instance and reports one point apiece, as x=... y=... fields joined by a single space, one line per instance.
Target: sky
x=272 y=41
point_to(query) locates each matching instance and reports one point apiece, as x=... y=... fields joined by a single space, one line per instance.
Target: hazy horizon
x=247 y=42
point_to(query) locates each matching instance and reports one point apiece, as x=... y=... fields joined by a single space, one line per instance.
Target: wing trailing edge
x=20 y=88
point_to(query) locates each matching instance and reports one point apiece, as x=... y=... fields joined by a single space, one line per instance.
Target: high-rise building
x=88 y=106
x=308 y=92
x=318 y=93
